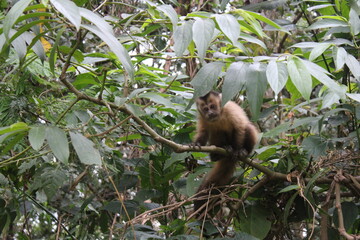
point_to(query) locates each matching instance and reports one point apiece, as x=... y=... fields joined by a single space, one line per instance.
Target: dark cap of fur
x=208 y=94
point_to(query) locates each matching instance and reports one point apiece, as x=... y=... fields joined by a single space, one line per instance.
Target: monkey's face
x=209 y=107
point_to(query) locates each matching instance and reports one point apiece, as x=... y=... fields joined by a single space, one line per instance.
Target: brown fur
x=223 y=127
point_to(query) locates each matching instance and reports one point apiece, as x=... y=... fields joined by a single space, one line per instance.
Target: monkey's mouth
x=212 y=118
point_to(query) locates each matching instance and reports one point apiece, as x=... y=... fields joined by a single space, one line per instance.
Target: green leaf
x=354 y=96
x=203 y=30
x=315 y=146
x=329 y=99
x=328 y=23
x=318 y=50
x=58 y=143
x=350 y=214
x=20 y=126
x=13 y=14
x=169 y=11
x=182 y=38
x=157 y=98
x=85 y=149
x=267 y=21
x=300 y=76
x=115 y=46
x=255 y=221
x=354 y=65
x=322 y=75
x=306 y=45
x=192 y=181
x=354 y=22
x=52 y=57
x=288 y=206
x=277 y=75
x=289 y=188
x=251 y=39
x=256 y=84
x=18 y=136
x=235 y=80
x=96 y=19
x=229 y=26
x=37 y=137
x=284 y=127
x=339 y=55
x=69 y=10
x=205 y=79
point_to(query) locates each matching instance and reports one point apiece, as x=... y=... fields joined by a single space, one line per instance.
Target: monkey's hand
x=236 y=154
x=195 y=145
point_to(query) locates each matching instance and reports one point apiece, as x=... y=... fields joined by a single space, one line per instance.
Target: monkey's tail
x=220 y=175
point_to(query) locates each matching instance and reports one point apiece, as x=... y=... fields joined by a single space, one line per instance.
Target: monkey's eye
x=206 y=109
x=212 y=106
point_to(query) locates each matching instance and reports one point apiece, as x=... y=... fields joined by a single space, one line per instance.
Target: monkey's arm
x=201 y=137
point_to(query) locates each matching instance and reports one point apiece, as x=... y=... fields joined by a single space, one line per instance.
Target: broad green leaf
x=310 y=184
x=85 y=79
x=306 y=45
x=13 y=14
x=318 y=50
x=255 y=88
x=169 y=11
x=329 y=99
x=277 y=75
x=206 y=78
x=251 y=39
x=300 y=76
x=182 y=37
x=96 y=19
x=129 y=137
x=321 y=6
x=251 y=23
x=16 y=137
x=322 y=75
x=203 y=30
x=339 y=55
x=193 y=182
x=20 y=126
x=19 y=44
x=85 y=149
x=354 y=22
x=328 y=23
x=235 y=80
x=350 y=213
x=157 y=98
x=115 y=46
x=229 y=26
x=354 y=96
x=289 y=188
x=58 y=143
x=69 y=10
x=37 y=137
x=135 y=109
x=315 y=146
x=289 y=206
x=354 y=65
x=284 y=127
x=255 y=221
x=267 y=21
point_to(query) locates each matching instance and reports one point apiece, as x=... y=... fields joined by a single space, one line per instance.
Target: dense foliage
x=96 y=114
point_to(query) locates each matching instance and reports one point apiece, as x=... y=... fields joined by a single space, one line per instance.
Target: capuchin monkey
x=226 y=127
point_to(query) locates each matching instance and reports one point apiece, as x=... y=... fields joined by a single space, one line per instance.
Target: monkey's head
x=209 y=106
